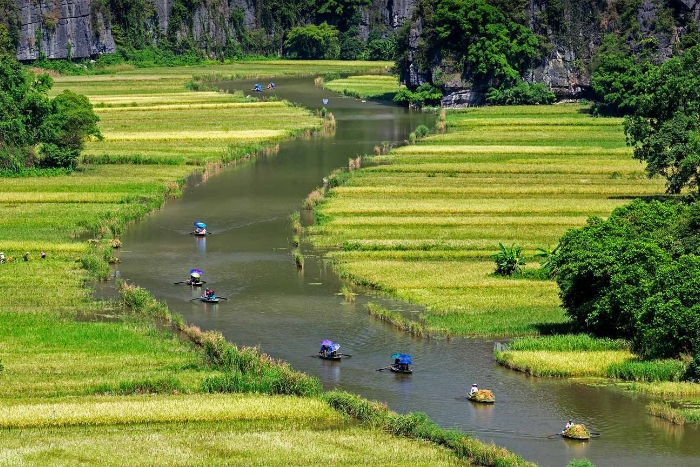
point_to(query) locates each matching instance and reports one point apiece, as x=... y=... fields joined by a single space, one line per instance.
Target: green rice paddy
x=422 y=222
x=86 y=383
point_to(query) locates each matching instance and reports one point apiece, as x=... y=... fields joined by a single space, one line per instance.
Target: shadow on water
x=287 y=312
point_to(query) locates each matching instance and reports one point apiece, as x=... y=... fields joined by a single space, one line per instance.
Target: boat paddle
x=344 y=355
x=385 y=368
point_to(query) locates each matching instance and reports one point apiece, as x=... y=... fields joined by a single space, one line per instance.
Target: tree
x=509 y=260
x=64 y=131
x=313 y=42
x=663 y=107
x=342 y=13
x=29 y=118
x=472 y=37
x=636 y=276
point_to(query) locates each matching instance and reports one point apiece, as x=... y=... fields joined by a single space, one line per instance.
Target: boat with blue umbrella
x=329 y=350
x=195 y=279
x=200 y=229
x=402 y=363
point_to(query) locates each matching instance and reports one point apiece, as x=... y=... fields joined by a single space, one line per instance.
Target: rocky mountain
x=571 y=29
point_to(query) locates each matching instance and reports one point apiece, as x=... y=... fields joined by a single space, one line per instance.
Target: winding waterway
x=287 y=313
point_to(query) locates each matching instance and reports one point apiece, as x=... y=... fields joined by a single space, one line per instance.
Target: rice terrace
x=484 y=213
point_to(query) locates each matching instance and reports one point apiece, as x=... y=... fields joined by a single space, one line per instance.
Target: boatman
x=568 y=425
x=2 y=257
x=473 y=390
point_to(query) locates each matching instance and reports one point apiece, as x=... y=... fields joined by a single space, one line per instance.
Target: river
x=287 y=313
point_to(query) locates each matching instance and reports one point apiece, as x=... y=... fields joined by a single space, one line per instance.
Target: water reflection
x=201 y=245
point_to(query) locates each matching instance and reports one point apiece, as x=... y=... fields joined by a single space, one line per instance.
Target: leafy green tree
x=636 y=276
x=342 y=13
x=64 y=131
x=508 y=260
x=313 y=42
x=474 y=37
x=547 y=258
x=664 y=129
x=29 y=118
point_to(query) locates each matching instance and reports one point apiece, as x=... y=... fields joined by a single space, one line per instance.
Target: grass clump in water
x=395 y=318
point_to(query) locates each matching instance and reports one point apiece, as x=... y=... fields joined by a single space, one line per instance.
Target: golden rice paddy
x=422 y=222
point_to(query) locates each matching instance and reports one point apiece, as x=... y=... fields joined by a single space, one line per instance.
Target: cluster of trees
x=636 y=276
x=35 y=130
x=485 y=41
x=662 y=107
x=282 y=27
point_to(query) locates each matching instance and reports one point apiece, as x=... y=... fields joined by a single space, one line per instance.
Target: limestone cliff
x=571 y=35
x=63 y=28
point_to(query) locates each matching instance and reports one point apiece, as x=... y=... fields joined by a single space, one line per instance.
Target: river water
x=287 y=313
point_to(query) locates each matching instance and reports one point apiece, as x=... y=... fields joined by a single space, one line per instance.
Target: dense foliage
x=636 y=276
x=30 y=119
x=521 y=94
x=425 y=94
x=313 y=42
x=474 y=39
x=662 y=104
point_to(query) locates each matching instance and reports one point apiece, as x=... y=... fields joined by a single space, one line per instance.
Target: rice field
x=366 y=87
x=422 y=222
x=273 y=443
x=87 y=383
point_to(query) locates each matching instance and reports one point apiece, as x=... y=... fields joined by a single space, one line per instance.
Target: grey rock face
x=466 y=98
x=56 y=27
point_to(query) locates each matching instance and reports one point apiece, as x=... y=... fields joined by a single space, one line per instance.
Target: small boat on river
x=482 y=396
x=209 y=299
x=402 y=364
x=577 y=432
x=329 y=351
x=200 y=229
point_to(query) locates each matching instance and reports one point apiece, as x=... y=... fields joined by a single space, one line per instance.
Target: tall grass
x=567 y=343
x=419 y=426
x=395 y=318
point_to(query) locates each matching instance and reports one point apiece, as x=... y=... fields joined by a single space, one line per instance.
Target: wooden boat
x=577 y=432
x=195 y=284
x=330 y=357
x=482 y=396
x=396 y=369
x=202 y=233
x=209 y=300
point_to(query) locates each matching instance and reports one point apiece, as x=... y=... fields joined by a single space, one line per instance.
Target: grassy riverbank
x=422 y=222
x=366 y=87
x=584 y=356
x=103 y=383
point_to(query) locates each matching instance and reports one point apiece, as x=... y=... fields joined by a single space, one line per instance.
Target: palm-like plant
x=547 y=257
x=509 y=260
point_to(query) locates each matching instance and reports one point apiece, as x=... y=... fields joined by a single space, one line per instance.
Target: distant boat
x=325 y=101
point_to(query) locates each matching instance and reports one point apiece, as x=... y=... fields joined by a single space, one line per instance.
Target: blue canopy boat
x=329 y=350
x=200 y=229
x=402 y=363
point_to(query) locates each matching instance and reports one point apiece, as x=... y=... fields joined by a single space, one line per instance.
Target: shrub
x=521 y=94
x=580 y=463
x=422 y=131
x=692 y=373
x=508 y=260
x=425 y=94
